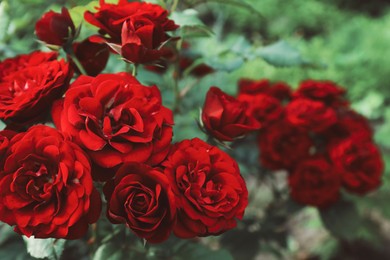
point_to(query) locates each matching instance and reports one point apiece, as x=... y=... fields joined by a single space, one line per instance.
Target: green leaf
x=282 y=54
x=45 y=248
x=341 y=219
x=190 y=24
x=77 y=12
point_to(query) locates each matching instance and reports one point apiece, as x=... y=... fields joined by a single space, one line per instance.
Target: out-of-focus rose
x=310 y=115
x=140 y=197
x=29 y=89
x=359 y=163
x=210 y=192
x=115 y=119
x=314 y=182
x=283 y=145
x=325 y=91
x=226 y=118
x=279 y=90
x=92 y=56
x=55 y=28
x=46 y=187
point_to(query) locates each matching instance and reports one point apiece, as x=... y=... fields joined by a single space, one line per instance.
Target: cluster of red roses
x=312 y=132
x=110 y=128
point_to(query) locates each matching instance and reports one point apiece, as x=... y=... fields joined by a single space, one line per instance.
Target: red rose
x=11 y=65
x=360 y=164
x=314 y=182
x=135 y=30
x=310 y=115
x=115 y=119
x=141 y=197
x=92 y=56
x=349 y=123
x=55 y=28
x=279 y=90
x=226 y=118
x=46 y=188
x=325 y=91
x=210 y=192
x=283 y=145
x=5 y=137
x=28 y=92
x=264 y=108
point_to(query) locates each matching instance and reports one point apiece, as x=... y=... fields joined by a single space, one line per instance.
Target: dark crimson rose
x=11 y=65
x=136 y=30
x=324 y=91
x=115 y=119
x=283 y=145
x=55 y=28
x=28 y=92
x=141 y=197
x=279 y=90
x=349 y=123
x=226 y=118
x=92 y=56
x=310 y=115
x=46 y=187
x=359 y=163
x=5 y=137
x=210 y=192
x=314 y=182
x=264 y=108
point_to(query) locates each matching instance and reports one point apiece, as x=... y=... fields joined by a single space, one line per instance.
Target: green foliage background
x=340 y=40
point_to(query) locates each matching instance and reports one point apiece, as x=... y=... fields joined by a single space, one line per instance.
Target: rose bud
x=55 y=28
x=46 y=188
x=141 y=197
x=314 y=182
x=92 y=56
x=226 y=118
x=359 y=163
x=210 y=192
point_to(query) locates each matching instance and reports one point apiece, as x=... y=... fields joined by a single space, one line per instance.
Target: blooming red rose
x=282 y=145
x=349 y=123
x=5 y=137
x=359 y=163
x=115 y=119
x=136 y=30
x=324 y=91
x=46 y=187
x=92 y=56
x=141 y=197
x=279 y=90
x=314 y=182
x=310 y=115
x=55 y=28
x=266 y=109
x=11 y=65
x=28 y=92
x=226 y=118
x=210 y=192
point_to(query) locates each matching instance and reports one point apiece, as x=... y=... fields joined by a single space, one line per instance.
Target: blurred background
x=346 y=41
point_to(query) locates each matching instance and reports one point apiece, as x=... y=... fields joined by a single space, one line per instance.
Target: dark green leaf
x=190 y=24
x=341 y=219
